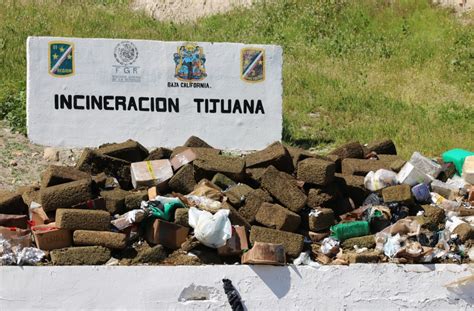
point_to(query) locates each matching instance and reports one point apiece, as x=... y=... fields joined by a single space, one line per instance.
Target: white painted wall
x=358 y=286
x=96 y=69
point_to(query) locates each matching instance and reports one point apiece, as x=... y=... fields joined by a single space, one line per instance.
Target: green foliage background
x=353 y=70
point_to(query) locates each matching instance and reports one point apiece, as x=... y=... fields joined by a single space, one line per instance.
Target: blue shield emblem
x=190 y=60
x=61 y=59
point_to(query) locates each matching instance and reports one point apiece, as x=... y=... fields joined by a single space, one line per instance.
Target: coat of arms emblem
x=61 y=59
x=190 y=60
x=252 y=64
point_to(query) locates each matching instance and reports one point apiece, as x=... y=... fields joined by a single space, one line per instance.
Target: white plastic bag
x=392 y=246
x=211 y=230
x=380 y=179
x=304 y=259
x=330 y=246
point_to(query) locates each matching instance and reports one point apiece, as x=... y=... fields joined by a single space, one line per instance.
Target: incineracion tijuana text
x=155 y=104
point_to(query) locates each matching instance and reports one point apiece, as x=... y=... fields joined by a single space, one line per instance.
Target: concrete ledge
x=358 y=286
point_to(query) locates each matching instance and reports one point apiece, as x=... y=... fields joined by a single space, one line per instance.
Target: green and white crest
x=61 y=59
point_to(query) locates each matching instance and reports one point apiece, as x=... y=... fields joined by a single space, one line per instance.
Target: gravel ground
x=22 y=162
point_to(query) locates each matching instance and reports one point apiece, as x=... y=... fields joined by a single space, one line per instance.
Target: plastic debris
x=304 y=259
x=210 y=230
x=350 y=230
x=380 y=179
x=330 y=246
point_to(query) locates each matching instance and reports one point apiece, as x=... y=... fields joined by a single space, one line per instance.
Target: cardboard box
x=150 y=173
x=468 y=170
x=183 y=158
x=238 y=242
x=16 y=236
x=265 y=254
x=168 y=234
x=98 y=203
x=18 y=221
x=49 y=237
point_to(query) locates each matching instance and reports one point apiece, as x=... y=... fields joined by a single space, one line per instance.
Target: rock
x=277 y=217
x=100 y=238
x=79 y=219
x=292 y=242
x=51 y=154
x=13 y=163
x=316 y=171
x=283 y=189
x=85 y=255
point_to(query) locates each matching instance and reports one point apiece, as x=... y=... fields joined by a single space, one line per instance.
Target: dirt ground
x=186 y=10
x=22 y=162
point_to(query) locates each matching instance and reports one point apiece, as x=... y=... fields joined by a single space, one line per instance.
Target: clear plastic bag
x=380 y=179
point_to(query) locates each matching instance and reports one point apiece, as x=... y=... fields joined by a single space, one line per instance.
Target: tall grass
x=353 y=70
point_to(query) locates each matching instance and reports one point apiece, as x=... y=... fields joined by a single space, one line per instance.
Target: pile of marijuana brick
x=282 y=203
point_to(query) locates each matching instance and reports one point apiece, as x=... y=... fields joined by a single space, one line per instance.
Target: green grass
x=353 y=70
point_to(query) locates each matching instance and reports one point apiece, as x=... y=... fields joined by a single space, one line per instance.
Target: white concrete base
x=359 y=286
